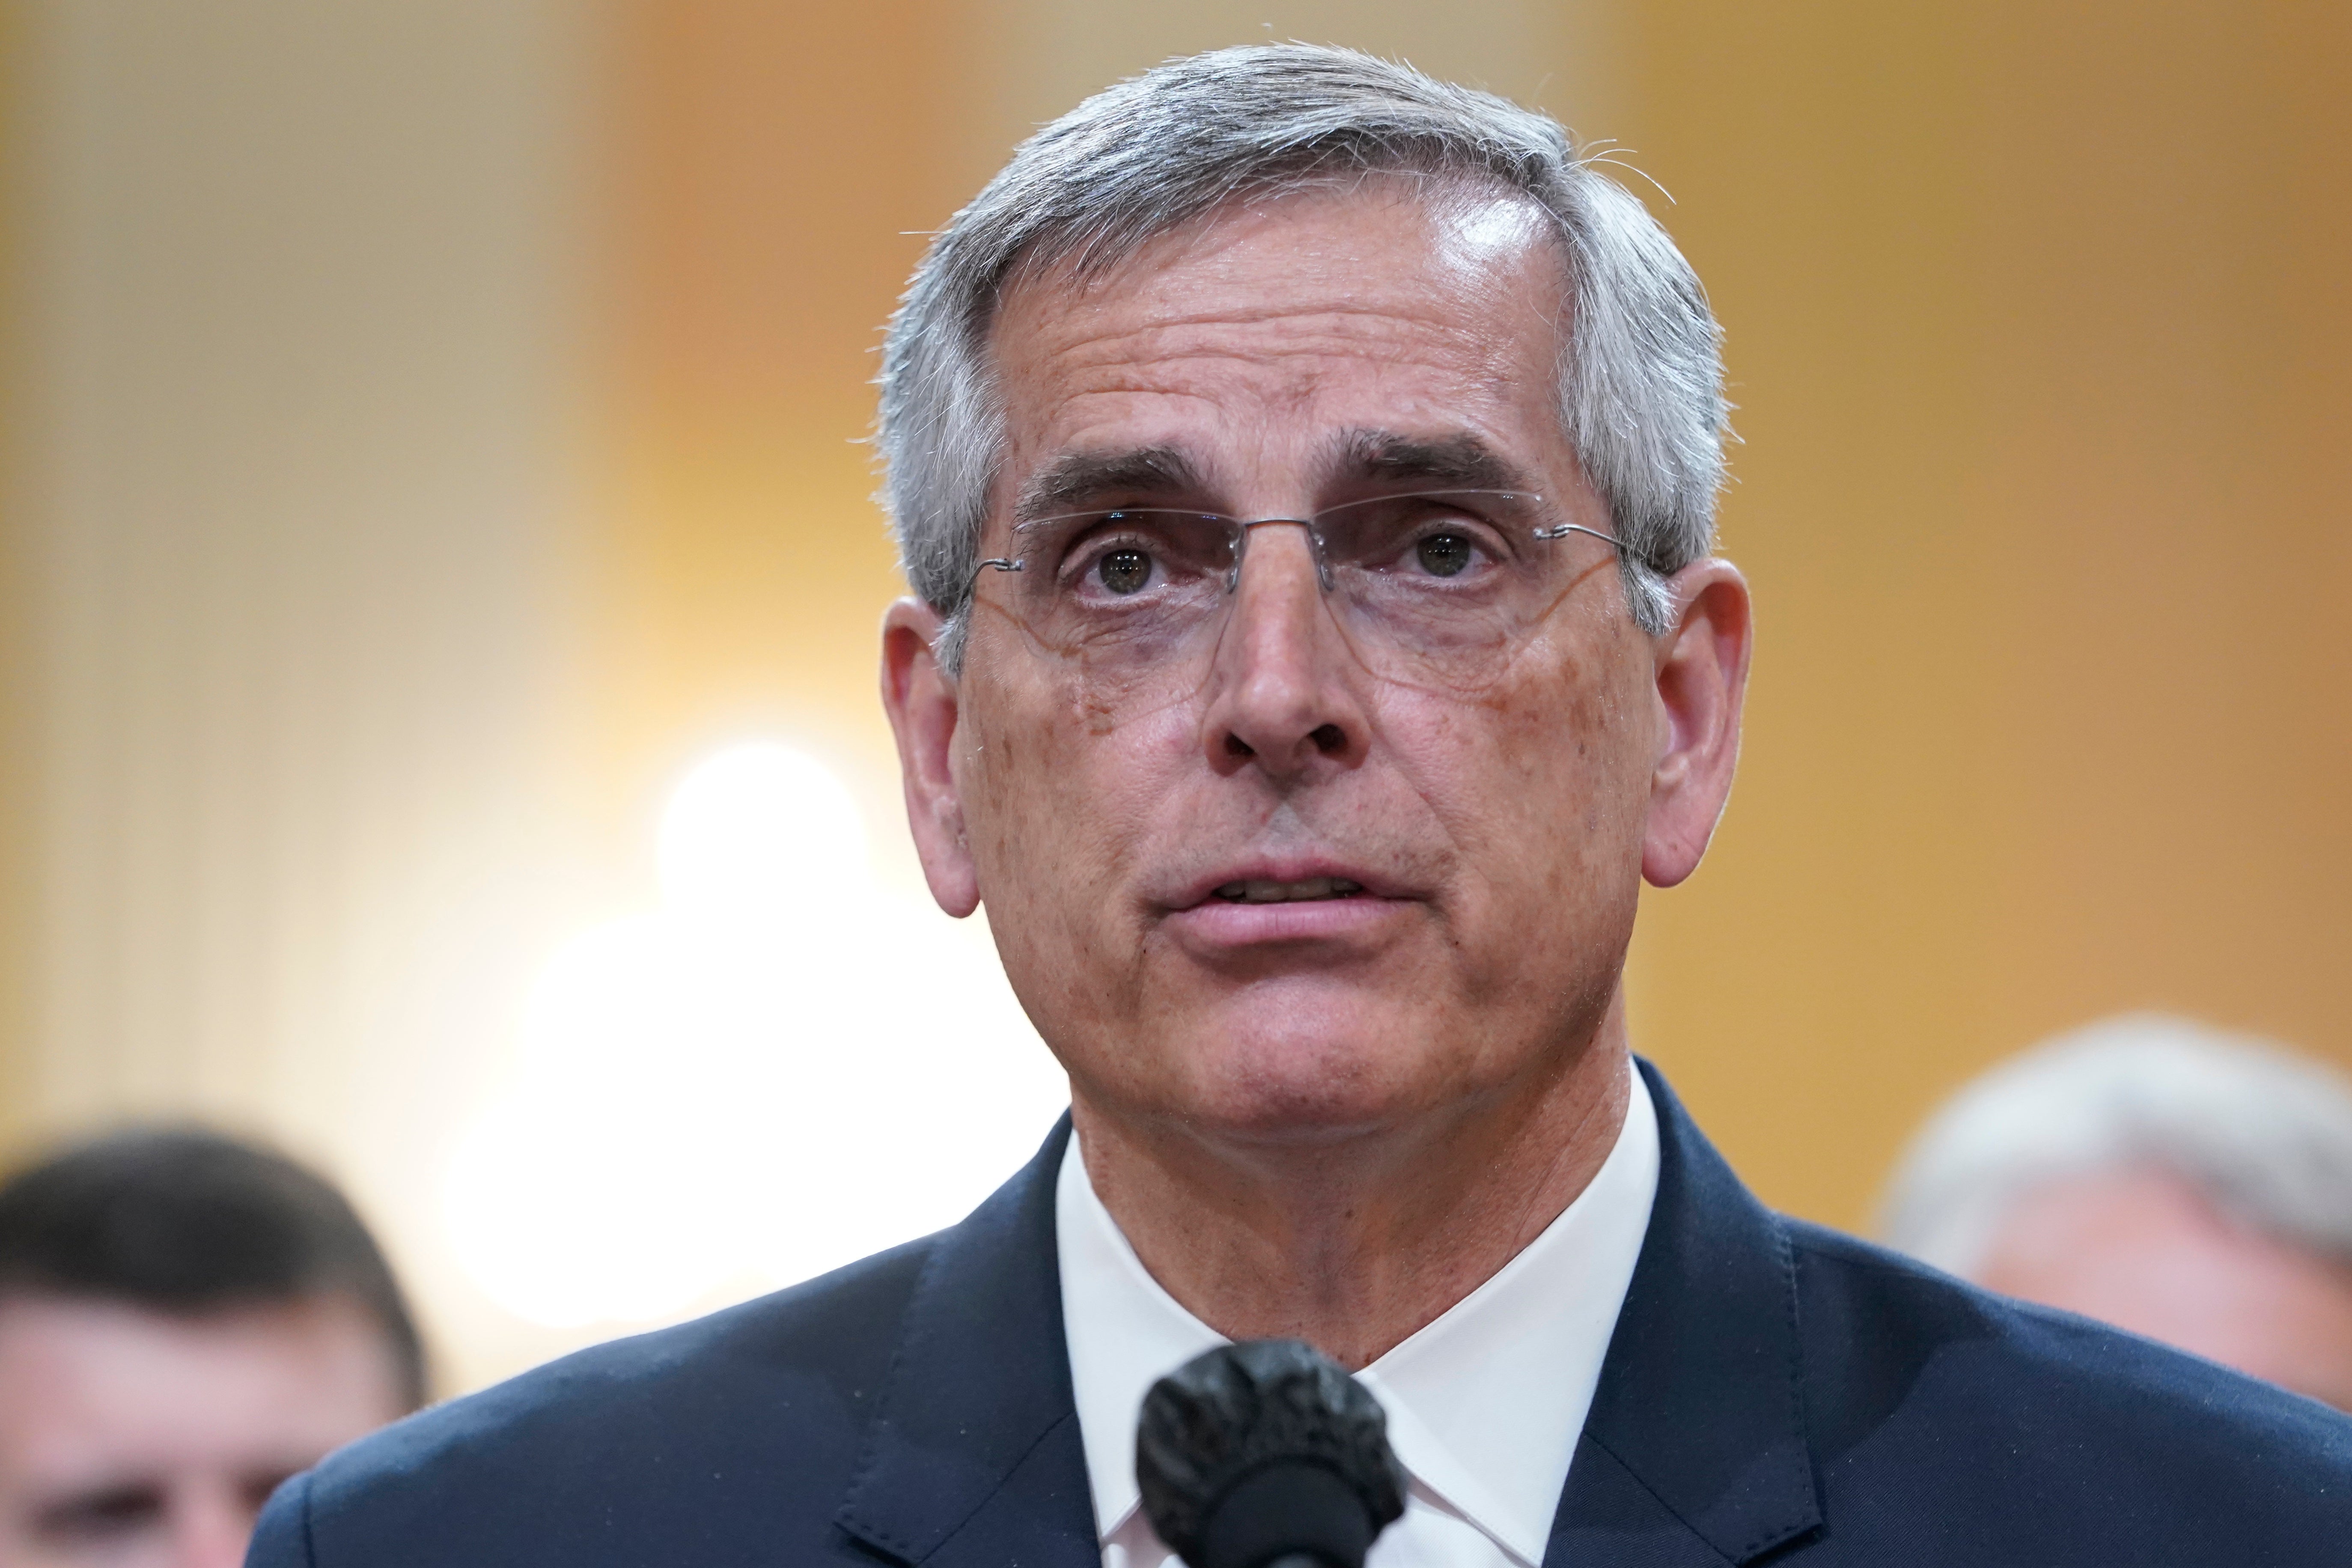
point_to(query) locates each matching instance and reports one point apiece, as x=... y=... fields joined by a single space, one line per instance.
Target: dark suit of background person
x=1310 y=842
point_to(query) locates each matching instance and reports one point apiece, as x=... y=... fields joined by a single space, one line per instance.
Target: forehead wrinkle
x=1323 y=326
x=1292 y=373
x=1059 y=319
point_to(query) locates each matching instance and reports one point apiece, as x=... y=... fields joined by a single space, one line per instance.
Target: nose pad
x=1305 y=526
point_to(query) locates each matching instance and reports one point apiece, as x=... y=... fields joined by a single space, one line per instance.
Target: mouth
x=1262 y=890
x=1296 y=907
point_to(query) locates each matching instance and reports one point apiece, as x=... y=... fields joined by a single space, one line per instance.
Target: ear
x=1701 y=666
x=922 y=702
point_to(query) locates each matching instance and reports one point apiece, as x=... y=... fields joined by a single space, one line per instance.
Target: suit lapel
x=972 y=1456
x=1695 y=1451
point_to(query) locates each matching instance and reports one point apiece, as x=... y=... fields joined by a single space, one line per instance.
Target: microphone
x=1266 y=1455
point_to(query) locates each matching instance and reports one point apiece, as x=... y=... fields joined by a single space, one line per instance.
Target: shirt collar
x=1483 y=1404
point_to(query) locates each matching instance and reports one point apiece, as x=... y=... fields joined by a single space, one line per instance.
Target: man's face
x=1486 y=843
x=127 y=1437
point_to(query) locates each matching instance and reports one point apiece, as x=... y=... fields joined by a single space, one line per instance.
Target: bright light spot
x=783 y=1068
x=759 y=831
x=1481 y=231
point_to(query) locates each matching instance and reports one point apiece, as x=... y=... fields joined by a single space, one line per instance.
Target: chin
x=1314 y=1079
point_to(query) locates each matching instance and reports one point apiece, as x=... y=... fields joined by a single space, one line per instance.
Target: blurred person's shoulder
x=752 y=1413
x=1924 y=1391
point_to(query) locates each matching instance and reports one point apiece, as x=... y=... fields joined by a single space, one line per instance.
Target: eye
x=1444 y=554
x=1124 y=570
x=107 y=1517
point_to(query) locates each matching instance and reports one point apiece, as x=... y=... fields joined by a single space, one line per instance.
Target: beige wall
x=16 y=909
x=769 y=172
x=290 y=521
x=1044 y=56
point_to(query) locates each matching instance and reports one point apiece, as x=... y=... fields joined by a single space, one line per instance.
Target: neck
x=1354 y=1247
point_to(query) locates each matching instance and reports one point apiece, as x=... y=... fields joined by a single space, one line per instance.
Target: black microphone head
x=1265 y=1449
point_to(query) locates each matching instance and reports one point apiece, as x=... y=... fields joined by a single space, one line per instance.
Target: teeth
x=1258 y=891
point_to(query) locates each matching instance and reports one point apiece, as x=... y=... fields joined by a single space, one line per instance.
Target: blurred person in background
x=184 y=1321
x=2189 y=1185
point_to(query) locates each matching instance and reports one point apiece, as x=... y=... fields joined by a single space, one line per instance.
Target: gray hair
x=2263 y=1135
x=1641 y=383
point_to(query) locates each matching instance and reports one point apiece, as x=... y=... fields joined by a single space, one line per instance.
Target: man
x=184 y=1321
x=2156 y=1174
x=1305 y=470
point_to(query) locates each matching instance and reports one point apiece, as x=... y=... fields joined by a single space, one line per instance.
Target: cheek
x=1057 y=800
x=1543 y=784
x=1060 y=808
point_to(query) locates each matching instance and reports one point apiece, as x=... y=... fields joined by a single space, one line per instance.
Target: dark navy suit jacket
x=1773 y=1391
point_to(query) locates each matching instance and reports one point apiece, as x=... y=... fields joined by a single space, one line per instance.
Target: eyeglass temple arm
x=1567 y=527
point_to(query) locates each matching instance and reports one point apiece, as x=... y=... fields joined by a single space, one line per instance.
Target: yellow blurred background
x=431 y=429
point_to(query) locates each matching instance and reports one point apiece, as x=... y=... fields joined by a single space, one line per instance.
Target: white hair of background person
x=2263 y=1134
x=1640 y=384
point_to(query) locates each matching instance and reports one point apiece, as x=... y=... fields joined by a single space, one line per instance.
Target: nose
x=209 y=1523
x=1285 y=694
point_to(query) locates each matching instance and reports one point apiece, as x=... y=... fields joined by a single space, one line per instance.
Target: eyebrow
x=1460 y=462
x=1076 y=480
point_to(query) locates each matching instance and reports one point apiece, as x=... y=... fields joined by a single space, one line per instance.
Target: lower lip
x=1225 y=923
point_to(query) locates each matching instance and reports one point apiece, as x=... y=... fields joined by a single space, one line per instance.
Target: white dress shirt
x=1483 y=1406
